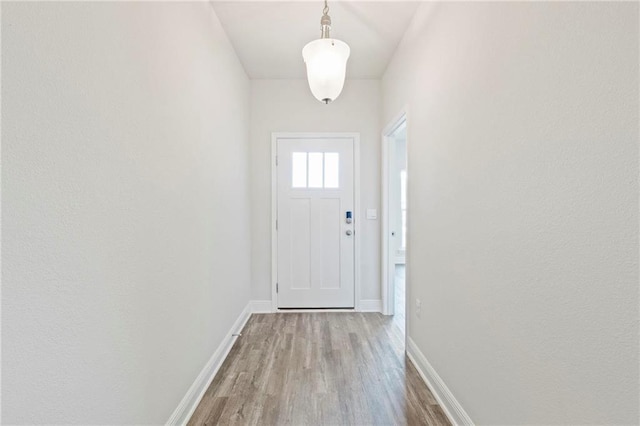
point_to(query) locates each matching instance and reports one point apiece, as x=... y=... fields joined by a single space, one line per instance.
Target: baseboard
x=188 y=405
x=261 y=306
x=370 y=305
x=447 y=401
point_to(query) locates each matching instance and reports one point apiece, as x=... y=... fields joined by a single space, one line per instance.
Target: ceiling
x=268 y=36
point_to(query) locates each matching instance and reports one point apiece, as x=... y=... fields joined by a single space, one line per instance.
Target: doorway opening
x=394 y=153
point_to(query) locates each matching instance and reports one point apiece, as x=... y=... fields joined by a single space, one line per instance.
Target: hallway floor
x=318 y=369
x=400 y=297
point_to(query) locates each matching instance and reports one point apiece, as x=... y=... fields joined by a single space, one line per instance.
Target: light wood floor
x=318 y=369
x=400 y=297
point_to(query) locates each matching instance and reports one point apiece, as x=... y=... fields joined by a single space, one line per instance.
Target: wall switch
x=418 y=307
x=372 y=214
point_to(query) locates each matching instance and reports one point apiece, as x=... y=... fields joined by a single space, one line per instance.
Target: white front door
x=315 y=229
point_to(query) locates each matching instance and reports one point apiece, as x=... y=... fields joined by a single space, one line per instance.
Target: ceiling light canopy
x=326 y=60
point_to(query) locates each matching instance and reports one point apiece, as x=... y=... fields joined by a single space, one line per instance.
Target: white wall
x=289 y=106
x=125 y=206
x=523 y=200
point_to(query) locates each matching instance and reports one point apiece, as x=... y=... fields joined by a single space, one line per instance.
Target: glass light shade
x=326 y=60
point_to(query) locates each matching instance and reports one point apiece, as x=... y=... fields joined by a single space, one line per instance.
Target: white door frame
x=387 y=286
x=357 y=216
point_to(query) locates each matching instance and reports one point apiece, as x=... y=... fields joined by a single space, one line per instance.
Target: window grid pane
x=331 y=170
x=315 y=169
x=299 y=170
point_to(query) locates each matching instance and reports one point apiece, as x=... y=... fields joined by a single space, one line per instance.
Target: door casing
x=274 y=206
x=388 y=287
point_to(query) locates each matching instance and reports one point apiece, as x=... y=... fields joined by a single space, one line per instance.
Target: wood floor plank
x=214 y=413
x=318 y=368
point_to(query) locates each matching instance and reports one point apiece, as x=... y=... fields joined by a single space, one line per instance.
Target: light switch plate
x=372 y=214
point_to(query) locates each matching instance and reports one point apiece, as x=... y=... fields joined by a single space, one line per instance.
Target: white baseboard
x=188 y=405
x=447 y=401
x=261 y=306
x=370 y=305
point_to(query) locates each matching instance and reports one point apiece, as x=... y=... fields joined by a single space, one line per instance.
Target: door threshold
x=296 y=310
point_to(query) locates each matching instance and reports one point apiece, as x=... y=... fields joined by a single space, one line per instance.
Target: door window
x=315 y=170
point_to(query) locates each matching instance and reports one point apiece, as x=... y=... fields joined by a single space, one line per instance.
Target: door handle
x=349 y=232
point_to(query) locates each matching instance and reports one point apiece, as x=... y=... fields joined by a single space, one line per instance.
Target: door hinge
x=277 y=289
x=276 y=160
x=276 y=224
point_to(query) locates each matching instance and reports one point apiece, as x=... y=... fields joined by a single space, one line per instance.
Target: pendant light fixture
x=326 y=60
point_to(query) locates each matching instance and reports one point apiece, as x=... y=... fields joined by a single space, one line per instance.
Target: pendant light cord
x=325 y=22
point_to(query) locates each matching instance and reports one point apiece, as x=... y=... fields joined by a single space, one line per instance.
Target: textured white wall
x=289 y=106
x=125 y=206
x=523 y=186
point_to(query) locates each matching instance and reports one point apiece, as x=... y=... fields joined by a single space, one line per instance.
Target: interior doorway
x=395 y=219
